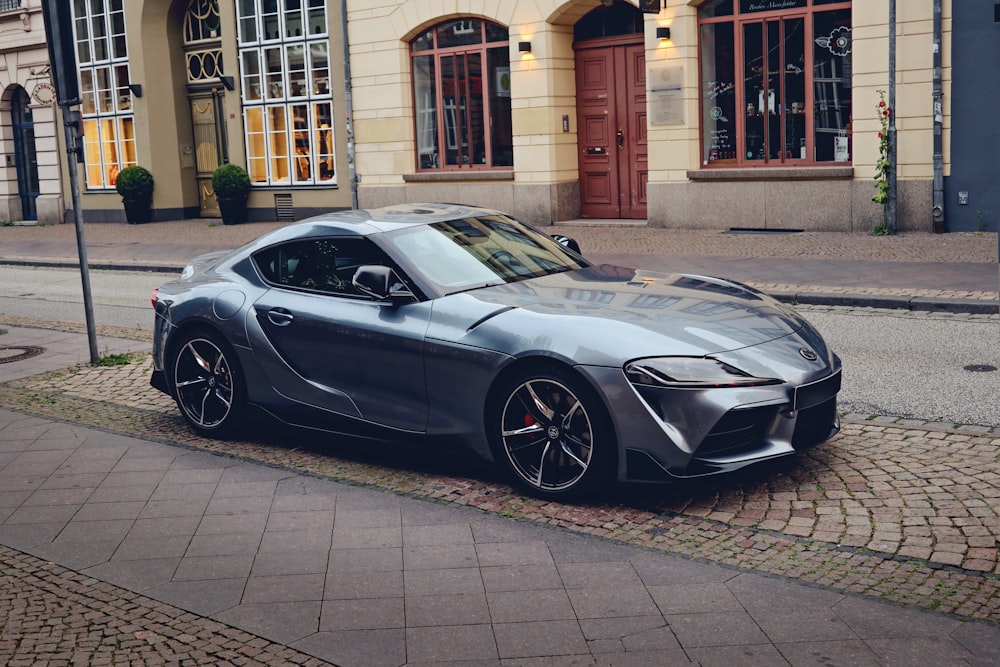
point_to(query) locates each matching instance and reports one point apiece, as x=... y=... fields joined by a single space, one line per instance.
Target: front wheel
x=553 y=434
x=208 y=384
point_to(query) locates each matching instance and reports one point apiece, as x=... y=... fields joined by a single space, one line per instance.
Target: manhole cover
x=17 y=353
x=980 y=368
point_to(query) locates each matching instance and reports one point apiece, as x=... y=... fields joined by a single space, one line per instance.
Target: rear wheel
x=553 y=434
x=208 y=384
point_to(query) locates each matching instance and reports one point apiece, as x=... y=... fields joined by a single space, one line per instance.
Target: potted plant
x=135 y=185
x=231 y=184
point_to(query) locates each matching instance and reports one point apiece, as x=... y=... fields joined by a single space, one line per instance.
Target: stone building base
x=838 y=205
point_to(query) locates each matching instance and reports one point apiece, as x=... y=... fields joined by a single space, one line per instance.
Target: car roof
x=365 y=222
x=388 y=218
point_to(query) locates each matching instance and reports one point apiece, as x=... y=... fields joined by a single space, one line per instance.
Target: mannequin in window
x=302 y=147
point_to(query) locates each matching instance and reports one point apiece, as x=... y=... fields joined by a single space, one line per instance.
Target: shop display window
x=287 y=100
x=775 y=82
x=461 y=94
x=105 y=97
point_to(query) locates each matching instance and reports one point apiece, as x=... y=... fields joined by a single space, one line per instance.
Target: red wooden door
x=611 y=129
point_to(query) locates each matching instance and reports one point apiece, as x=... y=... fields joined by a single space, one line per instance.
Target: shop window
x=105 y=97
x=284 y=51
x=775 y=82
x=461 y=94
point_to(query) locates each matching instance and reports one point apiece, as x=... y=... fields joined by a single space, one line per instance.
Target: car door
x=324 y=344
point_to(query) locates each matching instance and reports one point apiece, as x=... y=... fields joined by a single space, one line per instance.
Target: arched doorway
x=25 y=157
x=203 y=62
x=611 y=111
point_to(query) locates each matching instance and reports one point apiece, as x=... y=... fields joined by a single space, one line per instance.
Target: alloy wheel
x=547 y=435
x=204 y=383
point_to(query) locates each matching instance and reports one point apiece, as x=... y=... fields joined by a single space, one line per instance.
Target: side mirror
x=567 y=242
x=381 y=283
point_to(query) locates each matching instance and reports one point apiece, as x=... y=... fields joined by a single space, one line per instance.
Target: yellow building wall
x=543 y=92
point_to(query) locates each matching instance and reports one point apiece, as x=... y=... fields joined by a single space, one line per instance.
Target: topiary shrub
x=231 y=184
x=231 y=181
x=135 y=183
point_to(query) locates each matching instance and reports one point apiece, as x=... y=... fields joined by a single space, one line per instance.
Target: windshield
x=463 y=254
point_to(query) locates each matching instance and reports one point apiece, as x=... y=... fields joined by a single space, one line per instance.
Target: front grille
x=737 y=431
x=815 y=424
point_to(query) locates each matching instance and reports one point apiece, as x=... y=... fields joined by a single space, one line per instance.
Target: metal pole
x=890 y=210
x=352 y=175
x=937 y=208
x=72 y=152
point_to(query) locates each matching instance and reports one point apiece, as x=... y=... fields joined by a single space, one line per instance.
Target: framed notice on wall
x=666 y=102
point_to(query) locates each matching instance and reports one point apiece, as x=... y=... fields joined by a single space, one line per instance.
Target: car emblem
x=807 y=354
x=553 y=432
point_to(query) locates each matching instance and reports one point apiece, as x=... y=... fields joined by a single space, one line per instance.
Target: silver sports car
x=457 y=323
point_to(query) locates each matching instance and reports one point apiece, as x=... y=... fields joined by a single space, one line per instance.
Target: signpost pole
x=62 y=56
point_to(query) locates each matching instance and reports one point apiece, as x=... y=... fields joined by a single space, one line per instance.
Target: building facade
x=182 y=86
x=714 y=114
x=762 y=114
x=30 y=177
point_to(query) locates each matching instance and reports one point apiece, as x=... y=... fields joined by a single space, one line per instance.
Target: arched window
x=203 y=41
x=461 y=94
x=105 y=97
x=284 y=50
x=775 y=82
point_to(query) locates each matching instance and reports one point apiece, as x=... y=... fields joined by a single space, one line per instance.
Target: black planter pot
x=234 y=211
x=137 y=211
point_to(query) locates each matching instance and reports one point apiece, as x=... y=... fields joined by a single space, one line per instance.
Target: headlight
x=690 y=373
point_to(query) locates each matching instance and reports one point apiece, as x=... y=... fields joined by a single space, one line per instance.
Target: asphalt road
x=896 y=363
x=121 y=298
x=915 y=364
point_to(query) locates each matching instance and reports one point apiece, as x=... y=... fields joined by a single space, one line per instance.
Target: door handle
x=280 y=317
x=621 y=139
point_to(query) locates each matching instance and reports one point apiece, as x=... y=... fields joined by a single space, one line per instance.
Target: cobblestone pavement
x=901 y=510
x=54 y=616
x=596 y=237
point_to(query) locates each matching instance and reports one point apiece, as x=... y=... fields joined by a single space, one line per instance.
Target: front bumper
x=674 y=433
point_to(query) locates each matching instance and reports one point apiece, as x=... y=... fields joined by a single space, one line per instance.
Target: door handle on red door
x=280 y=317
x=621 y=139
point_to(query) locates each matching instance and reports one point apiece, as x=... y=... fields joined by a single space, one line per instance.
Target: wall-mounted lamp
x=663 y=32
x=227 y=82
x=524 y=47
x=136 y=89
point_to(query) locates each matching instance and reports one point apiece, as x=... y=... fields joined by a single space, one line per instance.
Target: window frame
x=106 y=105
x=786 y=157
x=287 y=99
x=441 y=122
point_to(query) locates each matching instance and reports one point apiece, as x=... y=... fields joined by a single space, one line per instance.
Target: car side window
x=324 y=265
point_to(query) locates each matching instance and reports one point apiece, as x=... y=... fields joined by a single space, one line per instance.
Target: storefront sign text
x=749 y=6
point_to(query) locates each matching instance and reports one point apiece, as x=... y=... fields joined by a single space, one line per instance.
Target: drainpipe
x=348 y=108
x=890 y=205
x=937 y=209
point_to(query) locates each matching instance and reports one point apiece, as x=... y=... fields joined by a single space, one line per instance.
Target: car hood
x=608 y=314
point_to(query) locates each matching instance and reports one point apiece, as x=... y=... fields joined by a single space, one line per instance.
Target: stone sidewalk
x=879 y=547
x=919 y=271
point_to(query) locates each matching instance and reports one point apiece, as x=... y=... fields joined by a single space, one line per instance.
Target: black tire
x=552 y=433
x=208 y=384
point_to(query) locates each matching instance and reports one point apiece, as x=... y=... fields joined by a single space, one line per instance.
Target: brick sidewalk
x=903 y=511
x=56 y=616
